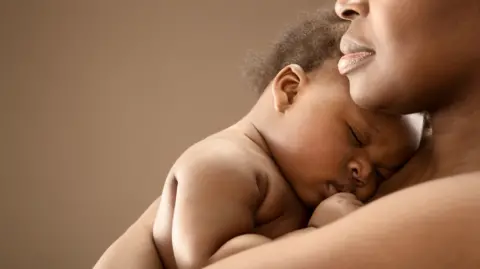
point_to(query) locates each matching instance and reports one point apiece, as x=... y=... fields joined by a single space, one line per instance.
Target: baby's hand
x=333 y=208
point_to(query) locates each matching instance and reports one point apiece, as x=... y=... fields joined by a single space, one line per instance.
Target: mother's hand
x=334 y=208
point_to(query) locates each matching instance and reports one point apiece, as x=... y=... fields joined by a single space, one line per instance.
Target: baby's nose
x=360 y=171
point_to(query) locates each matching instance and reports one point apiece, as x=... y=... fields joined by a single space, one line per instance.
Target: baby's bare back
x=221 y=188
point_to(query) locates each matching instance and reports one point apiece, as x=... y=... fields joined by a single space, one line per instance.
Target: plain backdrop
x=97 y=100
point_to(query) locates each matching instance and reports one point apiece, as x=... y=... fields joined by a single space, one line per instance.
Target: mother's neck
x=452 y=149
x=456 y=135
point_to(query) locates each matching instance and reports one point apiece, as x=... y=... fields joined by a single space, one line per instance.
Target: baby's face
x=329 y=145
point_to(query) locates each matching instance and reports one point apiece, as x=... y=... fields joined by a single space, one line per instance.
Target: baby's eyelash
x=356 y=138
x=379 y=175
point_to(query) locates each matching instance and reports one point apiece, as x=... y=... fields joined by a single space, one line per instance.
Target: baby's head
x=322 y=142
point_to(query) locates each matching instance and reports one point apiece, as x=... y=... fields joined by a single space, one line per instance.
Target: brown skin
x=320 y=136
x=422 y=51
x=386 y=234
x=434 y=45
x=315 y=107
x=303 y=142
x=426 y=58
x=402 y=230
x=334 y=208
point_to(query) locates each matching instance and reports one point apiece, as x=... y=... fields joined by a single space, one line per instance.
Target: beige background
x=98 y=98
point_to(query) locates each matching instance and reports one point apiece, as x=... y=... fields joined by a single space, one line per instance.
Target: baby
x=304 y=148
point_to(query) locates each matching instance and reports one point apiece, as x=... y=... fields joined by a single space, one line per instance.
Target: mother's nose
x=351 y=9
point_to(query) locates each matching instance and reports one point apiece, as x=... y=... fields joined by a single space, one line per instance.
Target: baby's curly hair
x=308 y=44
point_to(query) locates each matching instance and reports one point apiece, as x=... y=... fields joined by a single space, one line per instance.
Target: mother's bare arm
x=135 y=248
x=433 y=225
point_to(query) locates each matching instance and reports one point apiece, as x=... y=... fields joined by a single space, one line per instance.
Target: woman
x=406 y=56
x=403 y=56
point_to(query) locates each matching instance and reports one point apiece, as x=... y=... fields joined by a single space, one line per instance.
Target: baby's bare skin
x=228 y=196
x=303 y=142
x=329 y=210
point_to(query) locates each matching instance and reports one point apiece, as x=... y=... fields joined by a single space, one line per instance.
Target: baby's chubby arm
x=213 y=213
x=239 y=244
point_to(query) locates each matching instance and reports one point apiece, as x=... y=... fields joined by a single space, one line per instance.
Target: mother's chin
x=370 y=90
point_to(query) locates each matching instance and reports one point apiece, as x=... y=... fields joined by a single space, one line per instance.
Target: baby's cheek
x=309 y=196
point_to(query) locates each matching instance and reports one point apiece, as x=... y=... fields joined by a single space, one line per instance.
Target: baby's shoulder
x=214 y=150
x=217 y=155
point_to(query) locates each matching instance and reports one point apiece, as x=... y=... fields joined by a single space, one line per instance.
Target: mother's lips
x=355 y=55
x=349 y=46
x=352 y=61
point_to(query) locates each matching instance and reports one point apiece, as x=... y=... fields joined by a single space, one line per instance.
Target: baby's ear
x=286 y=85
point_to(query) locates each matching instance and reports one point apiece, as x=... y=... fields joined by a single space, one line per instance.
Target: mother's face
x=406 y=56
